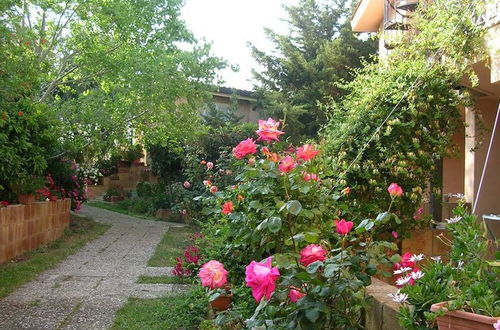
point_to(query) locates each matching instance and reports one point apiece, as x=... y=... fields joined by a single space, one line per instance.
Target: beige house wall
x=245 y=108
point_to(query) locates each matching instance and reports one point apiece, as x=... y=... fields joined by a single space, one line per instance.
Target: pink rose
x=210 y=165
x=395 y=190
x=260 y=276
x=244 y=148
x=306 y=152
x=207 y=183
x=213 y=189
x=312 y=253
x=213 y=274
x=343 y=227
x=186 y=184
x=395 y=234
x=286 y=164
x=295 y=294
x=268 y=130
x=227 y=208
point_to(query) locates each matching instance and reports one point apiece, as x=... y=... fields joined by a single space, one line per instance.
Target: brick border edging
x=25 y=227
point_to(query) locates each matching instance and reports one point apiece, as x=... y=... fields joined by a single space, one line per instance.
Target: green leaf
x=313 y=267
x=312 y=314
x=282 y=260
x=274 y=224
x=369 y=225
x=331 y=270
x=298 y=237
x=304 y=189
x=214 y=296
x=255 y=205
x=311 y=237
x=303 y=276
x=262 y=225
x=294 y=207
x=383 y=217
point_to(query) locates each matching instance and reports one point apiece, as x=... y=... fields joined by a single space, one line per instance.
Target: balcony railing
x=397 y=13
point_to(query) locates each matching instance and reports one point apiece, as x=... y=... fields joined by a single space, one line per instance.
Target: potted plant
x=26 y=189
x=221 y=299
x=457 y=291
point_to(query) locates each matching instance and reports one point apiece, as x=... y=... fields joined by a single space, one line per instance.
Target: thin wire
x=476 y=200
x=413 y=85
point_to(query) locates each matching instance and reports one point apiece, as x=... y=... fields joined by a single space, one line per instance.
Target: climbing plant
x=401 y=111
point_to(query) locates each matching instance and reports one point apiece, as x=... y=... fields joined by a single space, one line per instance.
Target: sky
x=230 y=24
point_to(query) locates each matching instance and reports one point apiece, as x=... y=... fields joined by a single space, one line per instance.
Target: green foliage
x=467 y=281
x=112 y=70
x=132 y=153
x=166 y=160
x=401 y=113
x=28 y=186
x=144 y=189
x=319 y=51
x=27 y=136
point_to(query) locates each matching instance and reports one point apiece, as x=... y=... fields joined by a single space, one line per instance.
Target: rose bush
x=307 y=260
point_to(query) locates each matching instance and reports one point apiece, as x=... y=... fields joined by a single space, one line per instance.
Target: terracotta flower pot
x=461 y=320
x=222 y=302
x=26 y=199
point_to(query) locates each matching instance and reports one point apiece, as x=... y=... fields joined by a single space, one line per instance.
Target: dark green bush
x=144 y=189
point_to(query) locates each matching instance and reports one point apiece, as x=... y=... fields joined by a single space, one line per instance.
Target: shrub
x=281 y=207
x=402 y=111
x=144 y=189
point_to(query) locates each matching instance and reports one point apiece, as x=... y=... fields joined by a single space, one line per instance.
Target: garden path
x=85 y=290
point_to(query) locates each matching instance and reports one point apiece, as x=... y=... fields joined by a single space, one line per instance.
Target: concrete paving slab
x=85 y=290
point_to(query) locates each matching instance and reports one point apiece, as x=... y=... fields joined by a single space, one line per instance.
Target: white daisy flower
x=436 y=258
x=417 y=275
x=417 y=257
x=453 y=220
x=403 y=280
x=398 y=297
x=402 y=270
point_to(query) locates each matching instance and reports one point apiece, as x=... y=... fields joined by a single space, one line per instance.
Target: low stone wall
x=383 y=313
x=25 y=227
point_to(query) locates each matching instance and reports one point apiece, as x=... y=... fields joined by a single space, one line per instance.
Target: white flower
x=403 y=280
x=417 y=257
x=436 y=258
x=460 y=265
x=402 y=270
x=453 y=220
x=398 y=297
x=417 y=275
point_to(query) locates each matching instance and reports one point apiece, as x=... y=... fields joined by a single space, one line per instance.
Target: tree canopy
x=111 y=71
x=307 y=63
